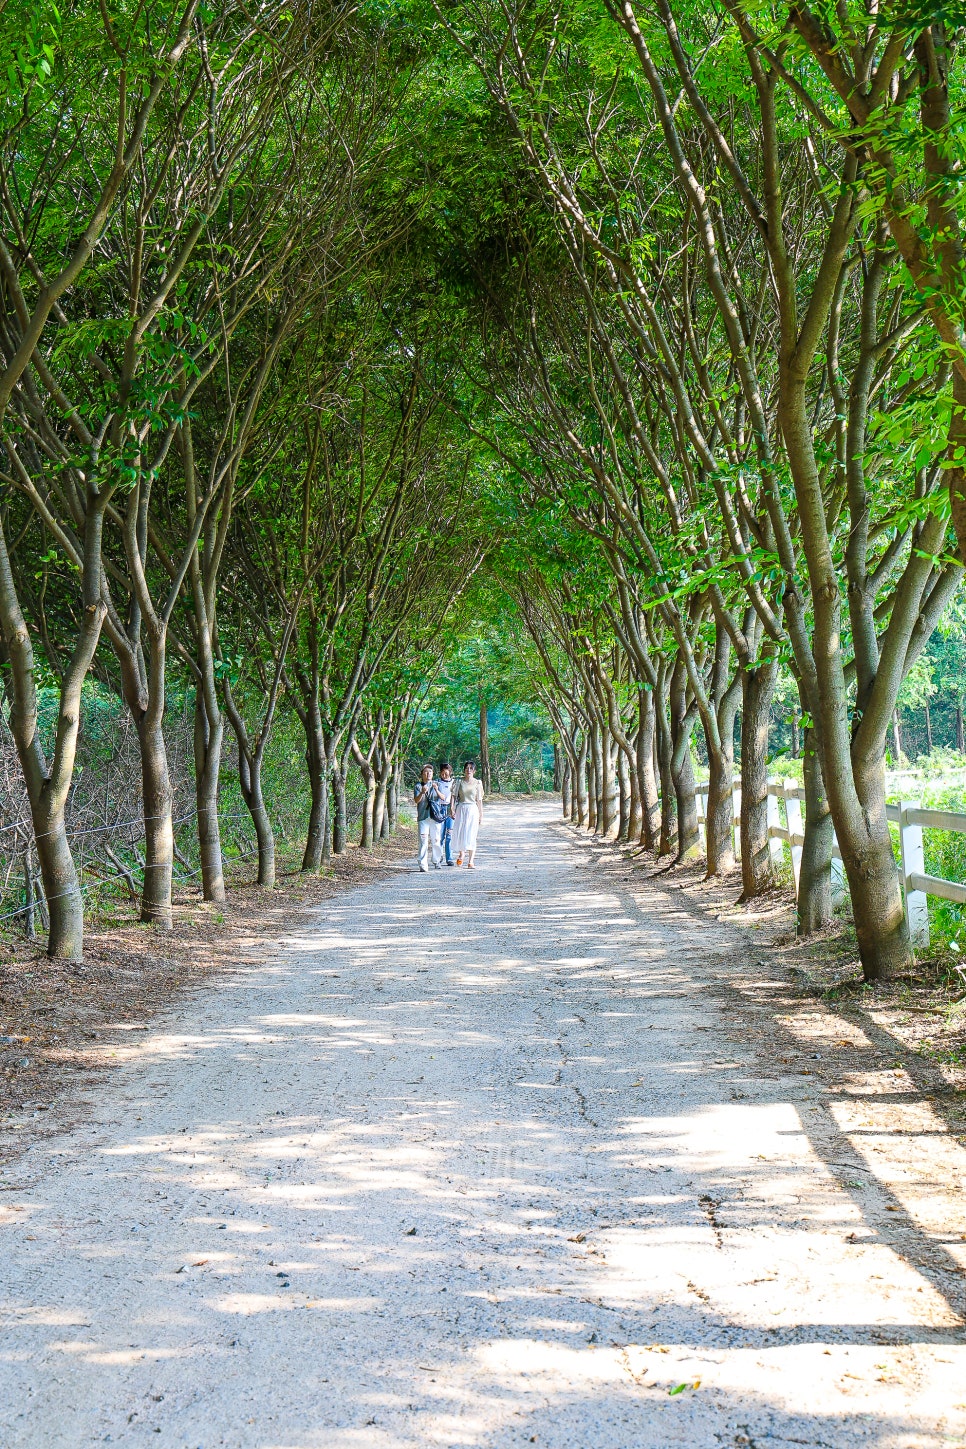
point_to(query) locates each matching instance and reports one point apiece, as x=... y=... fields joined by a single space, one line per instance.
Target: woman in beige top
x=468 y=809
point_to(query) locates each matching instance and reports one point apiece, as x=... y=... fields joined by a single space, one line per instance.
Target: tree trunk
x=896 y=740
x=928 y=729
x=558 y=768
x=143 y=691
x=264 y=834
x=795 y=739
x=48 y=785
x=865 y=844
x=815 y=871
x=566 y=792
x=250 y=784
x=682 y=771
x=581 y=802
x=960 y=742
x=484 y=746
x=379 y=826
x=339 y=808
x=647 y=782
x=369 y=780
x=853 y=760
x=158 y=826
x=625 y=798
x=315 y=761
x=29 y=921
x=757 y=686
x=250 y=781
x=610 y=812
x=593 y=777
x=720 y=827
x=209 y=736
x=664 y=746
x=392 y=799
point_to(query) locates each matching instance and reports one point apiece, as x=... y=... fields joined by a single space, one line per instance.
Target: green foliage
x=489 y=664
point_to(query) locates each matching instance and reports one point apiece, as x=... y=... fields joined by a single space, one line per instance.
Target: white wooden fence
x=910 y=816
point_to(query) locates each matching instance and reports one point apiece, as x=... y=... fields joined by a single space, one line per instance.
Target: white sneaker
x=424 y=870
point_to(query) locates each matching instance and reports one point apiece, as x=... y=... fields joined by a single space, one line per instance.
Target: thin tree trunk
x=650 y=800
x=960 y=741
x=682 y=770
x=625 y=797
x=156 y=799
x=566 y=791
x=339 y=808
x=815 y=871
x=264 y=833
x=896 y=740
x=581 y=802
x=392 y=799
x=610 y=813
x=29 y=923
x=209 y=736
x=664 y=751
x=757 y=686
x=593 y=777
x=48 y=784
x=315 y=761
x=928 y=730
x=379 y=827
x=720 y=829
x=143 y=691
x=369 y=780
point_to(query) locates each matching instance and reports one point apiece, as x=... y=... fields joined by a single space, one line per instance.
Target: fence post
x=793 y=814
x=917 y=908
x=774 y=846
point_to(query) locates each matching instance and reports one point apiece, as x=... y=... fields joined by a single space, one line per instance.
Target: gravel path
x=476 y=1160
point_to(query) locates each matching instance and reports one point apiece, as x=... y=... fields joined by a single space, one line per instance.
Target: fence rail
x=910 y=816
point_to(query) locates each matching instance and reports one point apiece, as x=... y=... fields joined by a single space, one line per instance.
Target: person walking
x=445 y=788
x=467 y=807
x=428 y=806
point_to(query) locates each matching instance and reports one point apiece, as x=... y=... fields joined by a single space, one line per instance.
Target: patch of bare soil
x=60 y=1025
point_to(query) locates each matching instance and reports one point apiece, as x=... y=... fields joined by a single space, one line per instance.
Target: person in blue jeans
x=444 y=787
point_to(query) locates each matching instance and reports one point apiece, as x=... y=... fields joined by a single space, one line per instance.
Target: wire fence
x=37 y=902
x=105 y=820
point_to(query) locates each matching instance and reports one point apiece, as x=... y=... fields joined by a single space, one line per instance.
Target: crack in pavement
x=492 y=1165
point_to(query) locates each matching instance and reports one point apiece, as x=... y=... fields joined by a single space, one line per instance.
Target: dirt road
x=483 y=1160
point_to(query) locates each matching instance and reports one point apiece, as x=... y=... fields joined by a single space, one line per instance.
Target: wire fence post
x=913 y=863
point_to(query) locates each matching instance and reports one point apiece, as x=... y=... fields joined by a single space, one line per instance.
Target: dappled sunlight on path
x=478 y=1160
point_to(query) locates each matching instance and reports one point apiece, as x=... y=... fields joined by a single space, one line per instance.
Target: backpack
x=438 y=808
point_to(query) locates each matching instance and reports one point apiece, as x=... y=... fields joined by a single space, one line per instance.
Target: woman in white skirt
x=467 y=806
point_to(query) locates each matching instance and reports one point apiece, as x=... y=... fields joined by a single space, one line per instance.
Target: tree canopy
x=581 y=388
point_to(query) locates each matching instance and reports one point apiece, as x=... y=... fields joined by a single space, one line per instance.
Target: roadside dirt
x=913 y=1030
x=60 y=1027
